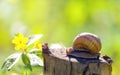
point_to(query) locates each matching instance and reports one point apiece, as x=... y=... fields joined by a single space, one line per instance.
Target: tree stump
x=57 y=62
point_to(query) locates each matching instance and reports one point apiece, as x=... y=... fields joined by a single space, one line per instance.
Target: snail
x=87 y=42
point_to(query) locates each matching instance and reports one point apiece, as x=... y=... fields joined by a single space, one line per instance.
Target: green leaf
x=29 y=47
x=11 y=61
x=35 y=60
x=26 y=61
x=34 y=38
x=35 y=51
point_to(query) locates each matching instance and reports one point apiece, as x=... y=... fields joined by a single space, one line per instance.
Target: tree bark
x=57 y=62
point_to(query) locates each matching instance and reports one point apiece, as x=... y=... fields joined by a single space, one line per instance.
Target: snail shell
x=87 y=41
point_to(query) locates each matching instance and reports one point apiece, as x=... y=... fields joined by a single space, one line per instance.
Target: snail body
x=87 y=41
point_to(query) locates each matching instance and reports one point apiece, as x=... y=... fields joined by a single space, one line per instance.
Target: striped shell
x=87 y=41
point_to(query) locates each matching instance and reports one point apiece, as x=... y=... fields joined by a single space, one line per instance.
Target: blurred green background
x=60 y=21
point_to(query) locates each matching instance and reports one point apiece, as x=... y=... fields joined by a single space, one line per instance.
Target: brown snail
x=87 y=42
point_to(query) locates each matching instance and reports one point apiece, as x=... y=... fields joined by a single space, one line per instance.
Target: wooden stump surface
x=56 y=62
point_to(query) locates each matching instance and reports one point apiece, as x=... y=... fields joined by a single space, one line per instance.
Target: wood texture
x=56 y=62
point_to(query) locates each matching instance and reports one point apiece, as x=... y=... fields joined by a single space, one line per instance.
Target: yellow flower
x=20 y=42
x=38 y=45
